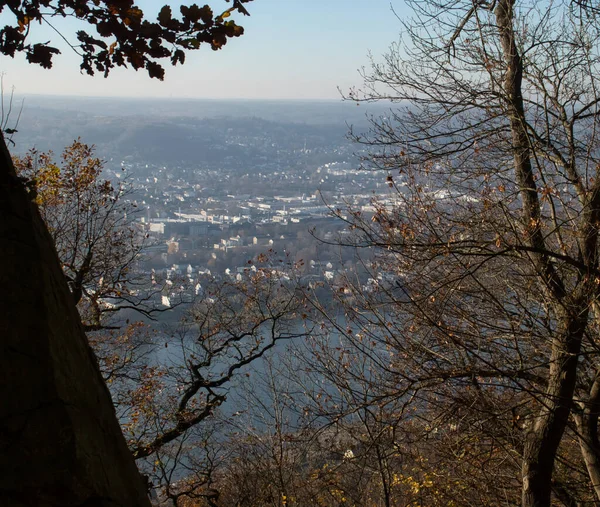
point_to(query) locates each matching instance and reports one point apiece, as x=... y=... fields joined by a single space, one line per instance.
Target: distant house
x=262 y=241
x=156 y=228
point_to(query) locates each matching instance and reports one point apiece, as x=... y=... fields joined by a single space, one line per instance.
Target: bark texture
x=587 y=432
x=60 y=441
x=571 y=310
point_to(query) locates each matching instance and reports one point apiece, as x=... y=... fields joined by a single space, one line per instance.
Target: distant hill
x=182 y=131
x=300 y=111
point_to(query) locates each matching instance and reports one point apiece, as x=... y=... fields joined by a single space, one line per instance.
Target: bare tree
x=481 y=315
x=167 y=408
x=93 y=225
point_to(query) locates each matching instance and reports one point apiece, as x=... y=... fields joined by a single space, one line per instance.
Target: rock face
x=60 y=441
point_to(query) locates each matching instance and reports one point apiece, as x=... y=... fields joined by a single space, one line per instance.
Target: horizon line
x=138 y=98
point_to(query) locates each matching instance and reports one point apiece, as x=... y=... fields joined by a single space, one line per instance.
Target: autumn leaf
x=133 y=39
x=155 y=70
x=165 y=16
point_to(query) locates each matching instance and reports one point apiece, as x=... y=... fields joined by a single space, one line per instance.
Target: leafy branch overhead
x=123 y=37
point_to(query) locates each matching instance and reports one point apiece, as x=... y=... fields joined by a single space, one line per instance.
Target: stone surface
x=60 y=442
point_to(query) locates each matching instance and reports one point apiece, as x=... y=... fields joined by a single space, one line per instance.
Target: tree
x=231 y=326
x=125 y=37
x=59 y=433
x=92 y=224
x=484 y=316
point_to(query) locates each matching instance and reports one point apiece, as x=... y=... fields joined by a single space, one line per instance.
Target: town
x=212 y=194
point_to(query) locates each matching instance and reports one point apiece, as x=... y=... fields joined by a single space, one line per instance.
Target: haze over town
x=350 y=257
x=218 y=182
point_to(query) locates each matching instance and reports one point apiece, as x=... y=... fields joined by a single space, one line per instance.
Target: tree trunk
x=587 y=434
x=548 y=425
x=60 y=441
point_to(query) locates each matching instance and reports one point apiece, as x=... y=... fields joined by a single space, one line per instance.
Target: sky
x=291 y=49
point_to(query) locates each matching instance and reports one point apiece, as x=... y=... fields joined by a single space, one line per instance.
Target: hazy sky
x=292 y=49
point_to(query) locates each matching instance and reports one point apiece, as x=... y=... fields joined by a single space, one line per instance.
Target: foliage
x=91 y=222
x=123 y=37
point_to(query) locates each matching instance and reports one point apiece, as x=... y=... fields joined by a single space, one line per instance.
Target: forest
x=466 y=372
